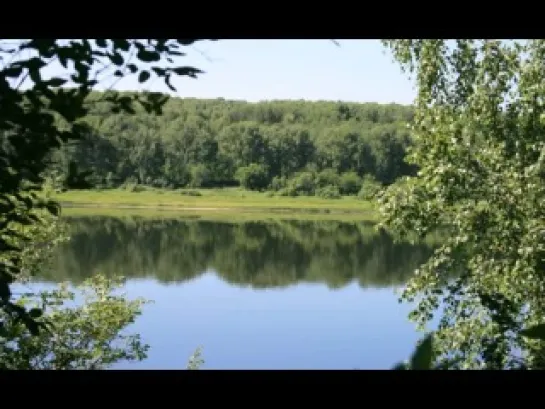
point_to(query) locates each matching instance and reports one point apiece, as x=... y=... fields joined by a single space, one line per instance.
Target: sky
x=254 y=70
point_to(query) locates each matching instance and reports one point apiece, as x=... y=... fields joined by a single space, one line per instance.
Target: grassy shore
x=228 y=216
x=224 y=202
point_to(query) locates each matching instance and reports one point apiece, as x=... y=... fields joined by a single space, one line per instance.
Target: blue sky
x=358 y=70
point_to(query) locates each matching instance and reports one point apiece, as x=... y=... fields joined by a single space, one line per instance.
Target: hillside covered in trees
x=294 y=147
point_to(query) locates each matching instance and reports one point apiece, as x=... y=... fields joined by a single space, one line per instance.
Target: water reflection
x=328 y=305
x=259 y=254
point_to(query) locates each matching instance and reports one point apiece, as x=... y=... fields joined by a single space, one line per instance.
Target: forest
x=488 y=196
x=293 y=147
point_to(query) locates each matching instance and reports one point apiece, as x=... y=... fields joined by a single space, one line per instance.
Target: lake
x=278 y=294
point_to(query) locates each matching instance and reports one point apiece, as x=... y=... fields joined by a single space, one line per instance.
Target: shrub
x=253 y=176
x=190 y=193
x=303 y=184
x=349 y=183
x=278 y=183
x=370 y=188
x=87 y=336
x=328 y=192
x=288 y=191
x=133 y=187
x=327 y=177
x=200 y=176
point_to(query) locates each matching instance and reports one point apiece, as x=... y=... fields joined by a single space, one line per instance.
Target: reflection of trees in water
x=259 y=254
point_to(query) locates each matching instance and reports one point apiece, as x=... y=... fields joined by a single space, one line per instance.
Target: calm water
x=254 y=295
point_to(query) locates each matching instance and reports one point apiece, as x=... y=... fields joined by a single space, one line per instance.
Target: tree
x=479 y=144
x=86 y=336
x=39 y=118
x=162 y=150
x=350 y=183
x=253 y=176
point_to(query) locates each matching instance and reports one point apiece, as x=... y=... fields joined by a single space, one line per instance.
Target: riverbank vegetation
x=218 y=200
x=479 y=145
x=476 y=141
x=37 y=116
x=291 y=148
x=89 y=334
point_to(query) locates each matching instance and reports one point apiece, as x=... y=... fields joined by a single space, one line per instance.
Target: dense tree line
x=299 y=147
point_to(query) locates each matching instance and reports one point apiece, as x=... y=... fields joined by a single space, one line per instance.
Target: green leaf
x=5 y=292
x=53 y=208
x=121 y=43
x=186 y=41
x=188 y=71
x=12 y=72
x=535 y=332
x=422 y=357
x=116 y=58
x=144 y=76
x=159 y=71
x=56 y=82
x=33 y=327
x=35 y=313
x=400 y=367
x=101 y=42
x=148 y=56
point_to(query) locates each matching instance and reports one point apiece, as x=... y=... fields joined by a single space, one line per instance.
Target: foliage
x=370 y=188
x=84 y=336
x=479 y=145
x=302 y=184
x=194 y=193
x=327 y=177
x=328 y=192
x=349 y=183
x=221 y=199
x=37 y=116
x=278 y=183
x=196 y=361
x=253 y=176
x=200 y=175
x=221 y=136
x=422 y=357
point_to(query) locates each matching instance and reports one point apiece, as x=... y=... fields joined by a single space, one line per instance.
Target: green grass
x=228 y=202
x=228 y=216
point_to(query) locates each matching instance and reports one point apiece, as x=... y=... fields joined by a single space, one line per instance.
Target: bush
x=370 y=188
x=327 y=177
x=302 y=184
x=87 y=336
x=288 y=191
x=196 y=360
x=83 y=336
x=253 y=177
x=190 y=193
x=200 y=176
x=278 y=183
x=328 y=192
x=349 y=183
x=134 y=187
